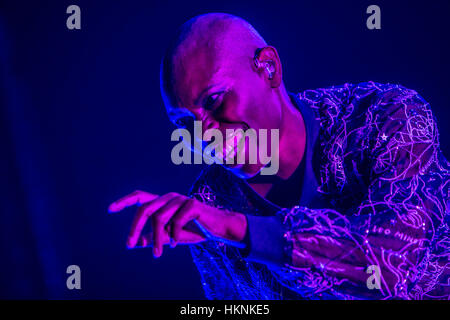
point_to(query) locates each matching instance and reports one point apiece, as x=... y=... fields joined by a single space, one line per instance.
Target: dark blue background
x=82 y=121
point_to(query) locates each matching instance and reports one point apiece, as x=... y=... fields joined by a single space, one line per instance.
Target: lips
x=232 y=138
x=234 y=126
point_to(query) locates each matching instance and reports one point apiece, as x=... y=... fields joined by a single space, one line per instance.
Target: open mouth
x=235 y=146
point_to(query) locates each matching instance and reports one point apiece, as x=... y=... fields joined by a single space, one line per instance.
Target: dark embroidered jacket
x=375 y=198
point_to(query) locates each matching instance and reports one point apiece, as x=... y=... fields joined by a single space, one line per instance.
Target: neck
x=292 y=136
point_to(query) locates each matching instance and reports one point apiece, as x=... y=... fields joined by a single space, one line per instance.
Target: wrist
x=236 y=226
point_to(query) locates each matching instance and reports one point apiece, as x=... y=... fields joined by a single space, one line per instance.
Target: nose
x=208 y=121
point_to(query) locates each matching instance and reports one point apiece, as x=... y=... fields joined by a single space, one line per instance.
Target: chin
x=243 y=170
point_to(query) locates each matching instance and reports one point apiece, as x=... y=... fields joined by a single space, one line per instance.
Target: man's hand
x=171 y=218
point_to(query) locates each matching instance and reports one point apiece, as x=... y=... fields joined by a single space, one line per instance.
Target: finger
x=181 y=218
x=145 y=240
x=136 y=197
x=186 y=237
x=159 y=221
x=142 y=215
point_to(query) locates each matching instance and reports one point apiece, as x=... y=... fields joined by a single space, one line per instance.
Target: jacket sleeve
x=388 y=234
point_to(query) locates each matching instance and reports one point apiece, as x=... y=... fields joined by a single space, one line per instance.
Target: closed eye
x=213 y=101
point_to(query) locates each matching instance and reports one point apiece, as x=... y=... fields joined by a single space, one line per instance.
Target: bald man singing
x=357 y=208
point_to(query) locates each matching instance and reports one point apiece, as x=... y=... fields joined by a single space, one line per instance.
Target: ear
x=266 y=59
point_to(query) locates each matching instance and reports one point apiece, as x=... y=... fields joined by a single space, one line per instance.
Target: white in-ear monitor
x=268 y=65
x=270 y=68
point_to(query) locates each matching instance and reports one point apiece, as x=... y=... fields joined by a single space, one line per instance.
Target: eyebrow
x=197 y=101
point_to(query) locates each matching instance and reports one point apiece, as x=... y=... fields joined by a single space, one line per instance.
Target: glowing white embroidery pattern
x=384 y=185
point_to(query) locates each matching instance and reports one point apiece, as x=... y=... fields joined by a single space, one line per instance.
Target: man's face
x=224 y=94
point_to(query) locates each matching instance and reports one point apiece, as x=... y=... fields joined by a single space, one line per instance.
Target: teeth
x=229 y=151
x=230 y=145
x=229 y=135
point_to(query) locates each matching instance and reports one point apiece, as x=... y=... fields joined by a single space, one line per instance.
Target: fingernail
x=156 y=252
x=130 y=243
x=111 y=208
x=173 y=243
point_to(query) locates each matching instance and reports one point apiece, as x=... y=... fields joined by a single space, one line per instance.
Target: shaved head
x=221 y=41
x=220 y=71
